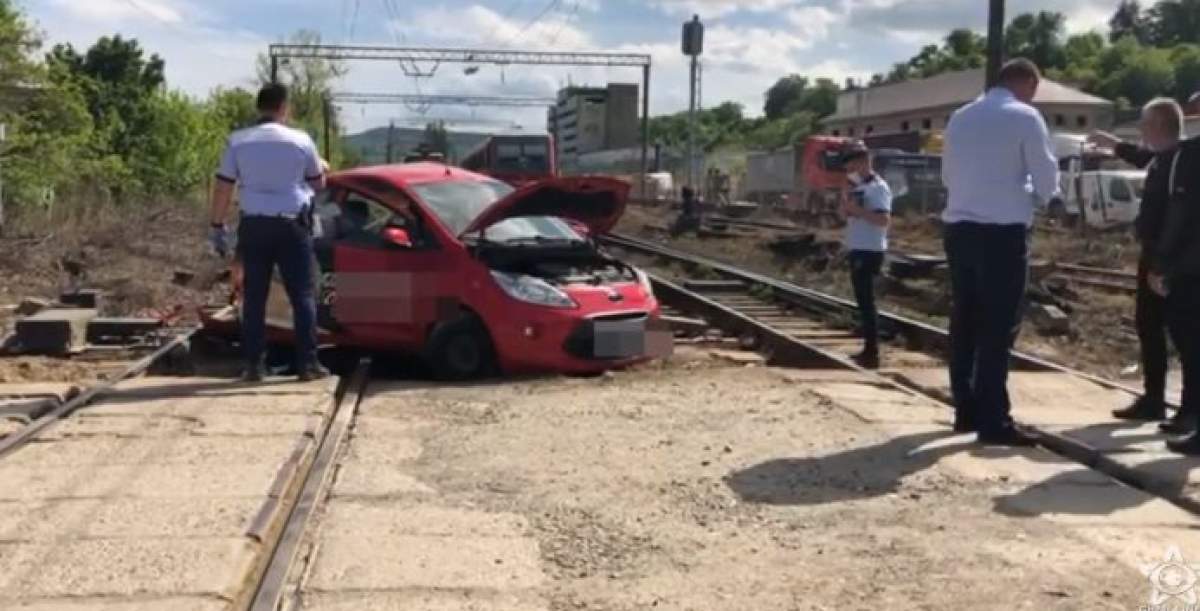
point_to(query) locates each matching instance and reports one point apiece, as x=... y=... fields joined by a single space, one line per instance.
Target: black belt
x=281 y=216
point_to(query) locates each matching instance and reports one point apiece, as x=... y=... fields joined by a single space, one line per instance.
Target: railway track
x=1097 y=277
x=800 y=327
x=27 y=433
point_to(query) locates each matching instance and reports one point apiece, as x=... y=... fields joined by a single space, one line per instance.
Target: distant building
x=923 y=106
x=590 y=119
x=1132 y=132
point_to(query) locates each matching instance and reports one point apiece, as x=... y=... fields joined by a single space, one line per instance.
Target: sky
x=748 y=44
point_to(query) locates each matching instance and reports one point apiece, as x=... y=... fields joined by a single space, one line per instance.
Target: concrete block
x=83 y=298
x=120 y=330
x=1050 y=320
x=55 y=331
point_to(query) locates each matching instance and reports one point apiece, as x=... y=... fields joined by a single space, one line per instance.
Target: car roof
x=404 y=174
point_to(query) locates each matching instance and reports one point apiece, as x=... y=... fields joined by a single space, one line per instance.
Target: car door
x=387 y=289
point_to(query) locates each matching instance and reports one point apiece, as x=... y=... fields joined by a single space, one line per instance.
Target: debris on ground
x=1050 y=320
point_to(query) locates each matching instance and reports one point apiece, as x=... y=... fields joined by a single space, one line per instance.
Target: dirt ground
x=130 y=254
x=693 y=485
x=1102 y=339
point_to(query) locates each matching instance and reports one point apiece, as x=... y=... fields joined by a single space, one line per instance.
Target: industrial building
x=589 y=119
x=888 y=112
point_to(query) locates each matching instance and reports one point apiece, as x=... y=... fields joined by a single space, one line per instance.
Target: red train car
x=516 y=159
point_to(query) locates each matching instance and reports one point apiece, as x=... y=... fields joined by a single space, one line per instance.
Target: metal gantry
x=441 y=99
x=408 y=57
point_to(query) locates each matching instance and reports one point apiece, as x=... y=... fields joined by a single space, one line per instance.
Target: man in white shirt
x=998 y=166
x=276 y=170
x=867 y=207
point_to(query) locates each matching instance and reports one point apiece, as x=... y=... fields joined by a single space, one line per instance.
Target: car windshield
x=457 y=203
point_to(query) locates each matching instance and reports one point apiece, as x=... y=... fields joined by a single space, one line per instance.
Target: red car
x=474 y=276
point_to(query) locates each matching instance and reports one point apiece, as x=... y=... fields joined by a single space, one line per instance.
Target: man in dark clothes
x=1162 y=125
x=1178 y=257
x=689 y=214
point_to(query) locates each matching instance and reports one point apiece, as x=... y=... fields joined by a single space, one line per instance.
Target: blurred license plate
x=616 y=339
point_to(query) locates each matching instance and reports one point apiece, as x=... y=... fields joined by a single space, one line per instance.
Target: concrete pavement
x=148 y=499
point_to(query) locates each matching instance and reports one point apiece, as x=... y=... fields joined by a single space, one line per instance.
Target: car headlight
x=644 y=280
x=533 y=290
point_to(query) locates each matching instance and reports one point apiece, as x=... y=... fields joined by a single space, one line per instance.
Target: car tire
x=461 y=350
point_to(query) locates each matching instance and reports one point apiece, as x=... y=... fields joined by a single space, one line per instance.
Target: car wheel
x=462 y=350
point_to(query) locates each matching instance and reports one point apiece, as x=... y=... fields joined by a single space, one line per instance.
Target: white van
x=1092 y=188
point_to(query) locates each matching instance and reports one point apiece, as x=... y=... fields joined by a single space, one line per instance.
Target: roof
x=949 y=89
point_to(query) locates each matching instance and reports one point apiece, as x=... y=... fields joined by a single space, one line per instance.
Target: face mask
x=855 y=177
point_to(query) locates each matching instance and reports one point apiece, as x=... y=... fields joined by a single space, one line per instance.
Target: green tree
x=232 y=109
x=1129 y=20
x=1037 y=37
x=784 y=96
x=1186 y=60
x=1172 y=22
x=48 y=123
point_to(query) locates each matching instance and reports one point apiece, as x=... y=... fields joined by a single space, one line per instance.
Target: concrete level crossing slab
x=145 y=500
x=425 y=601
x=1081 y=410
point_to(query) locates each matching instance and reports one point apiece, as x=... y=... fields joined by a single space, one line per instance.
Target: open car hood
x=597 y=202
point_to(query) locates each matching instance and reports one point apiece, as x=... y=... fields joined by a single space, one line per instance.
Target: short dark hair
x=1019 y=70
x=272 y=97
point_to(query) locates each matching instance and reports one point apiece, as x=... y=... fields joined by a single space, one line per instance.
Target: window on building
x=1059 y=120
x=904 y=126
x=837 y=132
x=870 y=129
x=927 y=124
x=1081 y=121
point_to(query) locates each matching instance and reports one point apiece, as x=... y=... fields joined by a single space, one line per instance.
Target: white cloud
x=481 y=25
x=116 y=11
x=719 y=8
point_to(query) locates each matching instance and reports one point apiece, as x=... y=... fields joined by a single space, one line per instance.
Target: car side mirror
x=397 y=236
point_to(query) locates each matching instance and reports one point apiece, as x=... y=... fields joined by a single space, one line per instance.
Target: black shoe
x=866 y=359
x=1189 y=444
x=964 y=424
x=1011 y=437
x=1181 y=423
x=313 y=372
x=1144 y=409
x=253 y=374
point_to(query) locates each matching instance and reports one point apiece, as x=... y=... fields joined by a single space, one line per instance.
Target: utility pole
x=995 y=42
x=693 y=46
x=391 y=141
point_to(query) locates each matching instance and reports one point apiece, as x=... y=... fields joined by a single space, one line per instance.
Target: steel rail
x=285 y=545
x=19 y=439
x=918 y=334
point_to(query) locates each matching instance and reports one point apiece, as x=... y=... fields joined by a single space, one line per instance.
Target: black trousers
x=1183 y=317
x=1152 y=335
x=989 y=268
x=265 y=243
x=864 y=268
